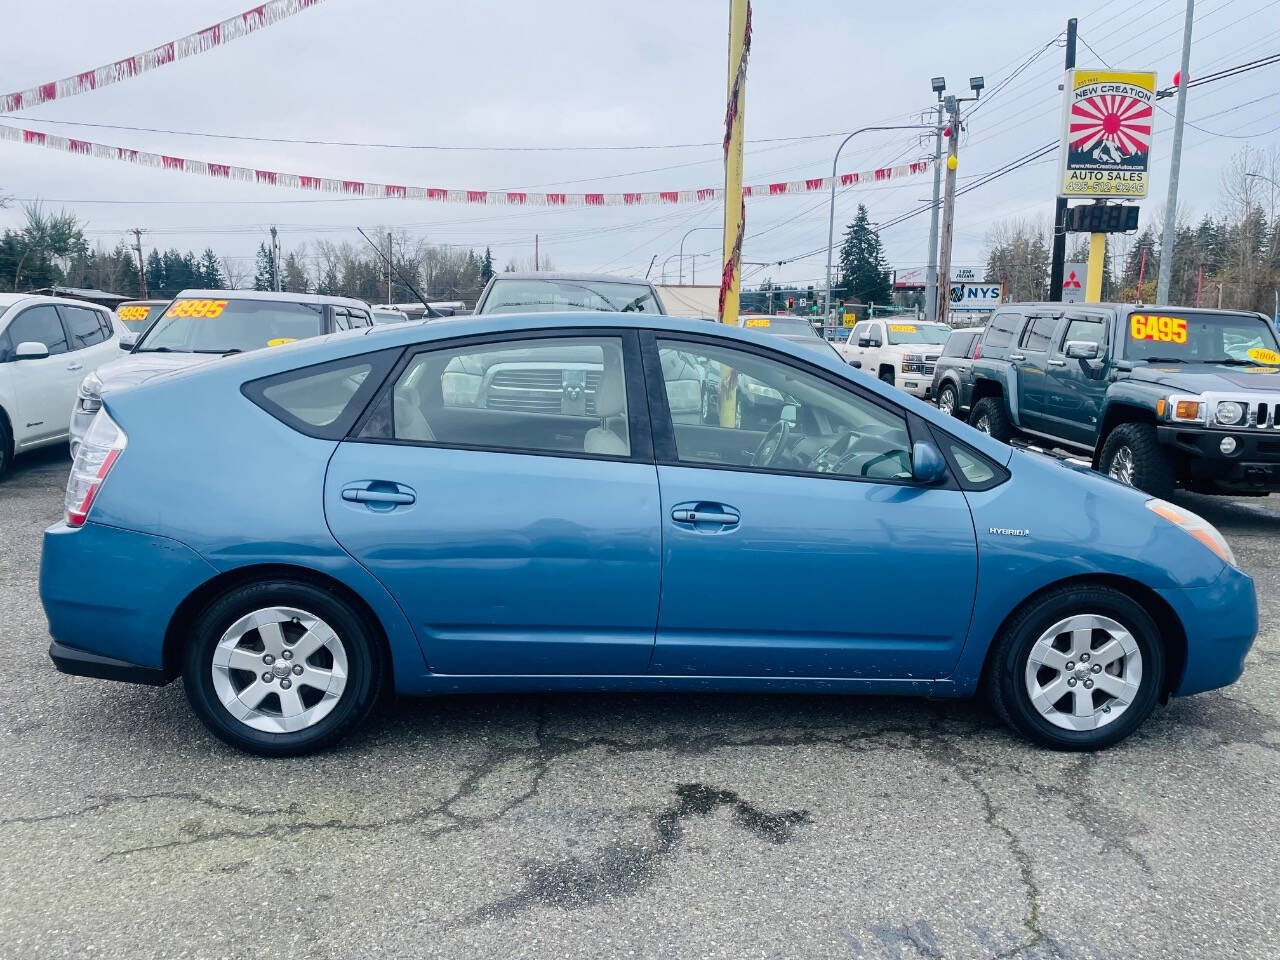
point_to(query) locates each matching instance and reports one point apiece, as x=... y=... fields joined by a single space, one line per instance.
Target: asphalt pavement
x=630 y=826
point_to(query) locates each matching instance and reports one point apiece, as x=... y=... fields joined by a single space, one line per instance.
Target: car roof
x=1122 y=307
x=572 y=277
x=271 y=295
x=10 y=299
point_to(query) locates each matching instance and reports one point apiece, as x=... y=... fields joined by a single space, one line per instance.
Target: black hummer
x=1160 y=397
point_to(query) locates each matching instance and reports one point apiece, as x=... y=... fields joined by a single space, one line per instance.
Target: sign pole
x=1175 y=165
x=1097 y=256
x=1060 y=207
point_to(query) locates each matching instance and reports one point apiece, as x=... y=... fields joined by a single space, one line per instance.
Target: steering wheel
x=771 y=445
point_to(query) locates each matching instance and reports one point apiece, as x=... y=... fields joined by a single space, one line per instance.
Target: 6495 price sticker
x=1149 y=326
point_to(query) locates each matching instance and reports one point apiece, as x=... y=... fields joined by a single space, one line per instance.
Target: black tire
x=990 y=416
x=1152 y=470
x=948 y=391
x=365 y=667
x=886 y=375
x=6 y=445
x=1006 y=682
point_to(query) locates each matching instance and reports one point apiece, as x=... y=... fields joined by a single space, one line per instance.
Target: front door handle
x=75 y=366
x=705 y=513
x=1017 y=356
x=1057 y=363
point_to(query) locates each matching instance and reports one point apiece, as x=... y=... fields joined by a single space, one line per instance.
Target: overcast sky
x=575 y=73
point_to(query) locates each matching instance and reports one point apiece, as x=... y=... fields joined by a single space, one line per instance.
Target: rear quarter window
x=323 y=400
x=958 y=345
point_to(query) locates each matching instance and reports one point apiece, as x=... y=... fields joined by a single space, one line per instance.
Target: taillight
x=977 y=351
x=97 y=454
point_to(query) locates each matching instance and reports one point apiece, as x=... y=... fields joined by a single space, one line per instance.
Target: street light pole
x=682 y=240
x=831 y=214
x=931 y=272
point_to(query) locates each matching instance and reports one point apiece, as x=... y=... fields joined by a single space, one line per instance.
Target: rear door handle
x=380 y=492
x=1017 y=356
x=1057 y=363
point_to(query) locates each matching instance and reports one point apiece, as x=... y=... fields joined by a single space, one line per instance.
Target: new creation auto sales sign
x=1106 y=133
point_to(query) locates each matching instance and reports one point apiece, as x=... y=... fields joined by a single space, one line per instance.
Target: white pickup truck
x=899 y=352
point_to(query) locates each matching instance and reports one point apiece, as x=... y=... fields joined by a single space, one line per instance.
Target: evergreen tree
x=865 y=275
x=265 y=277
x=486 y=267
x=156 y=284
x=293 y=277
x=211 y=271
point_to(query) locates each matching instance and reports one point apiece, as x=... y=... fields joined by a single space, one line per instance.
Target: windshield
x=1193 y=337
x=934 y=333
x=786 y=326
x=554 y=296
x=230 y=326
x=136 y=316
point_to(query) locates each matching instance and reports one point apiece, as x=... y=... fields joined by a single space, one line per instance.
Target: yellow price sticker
x=197 y=308
x=280 y=341
x=133 y=313
x=902 y=328
x=1149 y=326
x=850 y=319
x=757 y=321
x=1263 y=355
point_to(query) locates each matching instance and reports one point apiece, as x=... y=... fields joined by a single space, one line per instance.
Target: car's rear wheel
x=1133 y=455
x=948 y=402
x=281 y=668
x=1079 y=668
x=990 y=416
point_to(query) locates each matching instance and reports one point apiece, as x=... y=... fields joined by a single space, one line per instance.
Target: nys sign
x=976 y=296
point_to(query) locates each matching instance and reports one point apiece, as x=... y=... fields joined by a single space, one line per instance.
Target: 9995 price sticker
x=197 y=308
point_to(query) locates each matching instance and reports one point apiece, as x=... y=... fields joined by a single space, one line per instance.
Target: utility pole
x=734 y=205
x=942 y=277
x=931 y=272
x=142 y=270
x=1175 y=167
x=275 y=258
x=1060 y=207
x=389 y=300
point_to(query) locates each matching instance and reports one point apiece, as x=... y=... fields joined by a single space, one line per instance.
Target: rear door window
x=1038 y=336
x=958 y=345
x=1001 y=330
x=86 y=327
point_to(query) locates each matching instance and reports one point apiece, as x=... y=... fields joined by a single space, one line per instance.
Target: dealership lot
x=588 y=826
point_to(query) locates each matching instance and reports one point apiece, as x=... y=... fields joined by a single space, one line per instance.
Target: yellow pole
x=733 y=203
x=1097 y=257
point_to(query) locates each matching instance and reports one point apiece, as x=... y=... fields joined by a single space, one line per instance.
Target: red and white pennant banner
x=364 y=188
x=233 y=28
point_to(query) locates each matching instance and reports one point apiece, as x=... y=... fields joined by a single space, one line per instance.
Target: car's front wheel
x=281 y=668
x=1133 y=455
x=1079 y=668
x=948 y=402
x=990 y=416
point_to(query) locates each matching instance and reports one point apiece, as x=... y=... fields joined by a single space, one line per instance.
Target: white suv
x=46 y=345
x=902 y=353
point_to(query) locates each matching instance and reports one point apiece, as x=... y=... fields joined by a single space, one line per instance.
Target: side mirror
x=1082 y=350
x=864 y=342
x=857 y=364
x=30 y=350
x=877 y=344
x=126 y=343
x=927 y=464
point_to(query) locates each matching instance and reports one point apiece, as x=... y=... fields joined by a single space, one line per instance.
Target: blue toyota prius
x=612 y=502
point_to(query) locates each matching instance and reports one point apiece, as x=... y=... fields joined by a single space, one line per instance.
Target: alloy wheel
x=1083 y=672
x=983 y=424
x=279 y=669
x=947 y=402
x=1122 y=466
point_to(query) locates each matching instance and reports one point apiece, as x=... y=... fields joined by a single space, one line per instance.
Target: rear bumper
x=109 y=595
x=80 y=663
x=1221 y=622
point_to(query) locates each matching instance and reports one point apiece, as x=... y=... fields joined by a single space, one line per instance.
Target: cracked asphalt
x=636 y=826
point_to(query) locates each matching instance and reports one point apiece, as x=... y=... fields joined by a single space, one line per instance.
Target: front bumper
x=1253 y=465
x=109 y=595
x=916 y=384
x=1221 y=623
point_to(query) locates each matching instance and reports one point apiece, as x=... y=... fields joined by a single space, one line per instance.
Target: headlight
x=1229 y=413
x=89 y=396
x=460 y=389
x=1197 y=526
